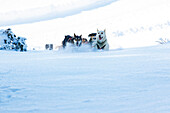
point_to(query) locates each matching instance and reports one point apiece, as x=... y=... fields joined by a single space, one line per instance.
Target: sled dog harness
x=98 y=47
x=101 y=47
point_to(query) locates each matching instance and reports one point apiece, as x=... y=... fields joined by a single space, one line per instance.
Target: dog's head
x=68 y=38
x=77 y=40
x=84 y=40
x=101 y=35
x=93 y=39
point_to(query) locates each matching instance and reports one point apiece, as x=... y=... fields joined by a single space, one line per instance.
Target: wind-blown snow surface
x=117 y=81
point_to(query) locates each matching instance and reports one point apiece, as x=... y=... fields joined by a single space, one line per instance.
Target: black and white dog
x=77 y=40
x=101 y=40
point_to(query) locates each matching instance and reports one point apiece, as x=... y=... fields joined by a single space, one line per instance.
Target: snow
x=127 y=81
x=132 y=77
x=25 y=11
x=128 y=23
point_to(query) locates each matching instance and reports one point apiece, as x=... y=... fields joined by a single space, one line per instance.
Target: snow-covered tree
x=9 y=41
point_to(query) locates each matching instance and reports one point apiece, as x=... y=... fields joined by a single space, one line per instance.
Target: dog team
x=97 y=41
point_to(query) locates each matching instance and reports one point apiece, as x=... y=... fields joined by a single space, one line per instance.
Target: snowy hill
x=128 y=23
x=26 y=11
x=121 y=81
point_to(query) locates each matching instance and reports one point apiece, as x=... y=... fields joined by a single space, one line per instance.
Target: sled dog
x=92 y=40
x=77 y=40
x=101 y=40
x=67 y=39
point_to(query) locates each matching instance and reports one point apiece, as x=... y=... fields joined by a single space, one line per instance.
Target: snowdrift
x=121 y=81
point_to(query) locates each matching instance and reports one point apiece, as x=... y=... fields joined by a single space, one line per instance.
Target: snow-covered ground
x=118 y=81
x=122 y=80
